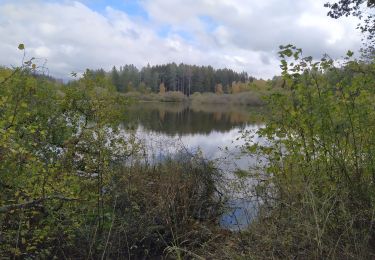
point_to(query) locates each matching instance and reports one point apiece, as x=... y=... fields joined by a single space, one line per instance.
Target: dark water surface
x=213 y=130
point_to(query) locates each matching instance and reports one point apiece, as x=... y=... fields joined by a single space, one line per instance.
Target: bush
x=67 y=187
x=244 y=98
x=174 y=96
x=173 y=204
x=170 y=96
x=317 y=187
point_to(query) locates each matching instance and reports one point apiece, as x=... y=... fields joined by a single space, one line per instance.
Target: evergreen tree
x=115 y=77
x=184 y=78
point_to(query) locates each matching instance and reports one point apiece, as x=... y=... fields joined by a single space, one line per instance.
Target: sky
x=243 y=35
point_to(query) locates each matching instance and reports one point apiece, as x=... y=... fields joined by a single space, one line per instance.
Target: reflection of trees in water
x=162 y=115
x=236 y=118
x=218 y=116
x=178 y=118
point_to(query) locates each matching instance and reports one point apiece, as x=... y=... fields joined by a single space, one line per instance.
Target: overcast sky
x=240 y=34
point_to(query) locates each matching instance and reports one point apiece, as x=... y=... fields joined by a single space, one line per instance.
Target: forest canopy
x=184 y=78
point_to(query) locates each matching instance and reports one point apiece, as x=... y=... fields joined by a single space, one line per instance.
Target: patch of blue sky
x=130 y=7
x=164 y=30
x=186 y=35
x=167 y=30
x=209 y=23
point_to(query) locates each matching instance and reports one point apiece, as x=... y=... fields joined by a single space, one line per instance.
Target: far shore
x=248 y=98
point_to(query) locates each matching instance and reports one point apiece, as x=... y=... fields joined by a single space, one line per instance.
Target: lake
x=213 y=130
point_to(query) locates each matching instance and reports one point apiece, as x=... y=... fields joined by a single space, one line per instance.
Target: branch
x=10 y=76
x=32 y=203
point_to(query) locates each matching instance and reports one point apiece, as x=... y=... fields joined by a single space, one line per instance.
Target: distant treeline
x=185 y=78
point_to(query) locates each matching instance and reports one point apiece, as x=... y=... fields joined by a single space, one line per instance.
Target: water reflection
x=242 y=212
x=181 y=118
x=165 y=128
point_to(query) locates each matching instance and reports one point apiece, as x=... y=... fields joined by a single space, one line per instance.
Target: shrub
x=317 y=187
x=171 y=204
x=173 y=96
x=243 y=98
x=68 y=189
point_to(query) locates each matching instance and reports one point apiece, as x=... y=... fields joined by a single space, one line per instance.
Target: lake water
x=213 y=130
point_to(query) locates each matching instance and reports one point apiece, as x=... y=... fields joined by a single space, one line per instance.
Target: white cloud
x=239 y=34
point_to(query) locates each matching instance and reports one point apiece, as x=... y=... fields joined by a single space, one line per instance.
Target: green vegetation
x=170 y=96
x=247 y=94
x=318 y=187
x=67 y=187
x=75 y=182
x=72 y=184
x=245 y=98
x=184 y=78
x=183 y=83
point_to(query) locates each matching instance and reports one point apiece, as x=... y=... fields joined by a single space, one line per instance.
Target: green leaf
x=21 y=46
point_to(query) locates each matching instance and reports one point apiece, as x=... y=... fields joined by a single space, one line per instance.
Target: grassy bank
x=252 y=95
x=244 y=98
x=170 y=96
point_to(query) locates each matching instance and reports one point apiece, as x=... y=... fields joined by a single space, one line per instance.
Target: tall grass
x=157 y=208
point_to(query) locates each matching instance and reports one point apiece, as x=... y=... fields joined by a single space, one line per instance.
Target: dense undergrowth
x=68 y=189
x=318 y=189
